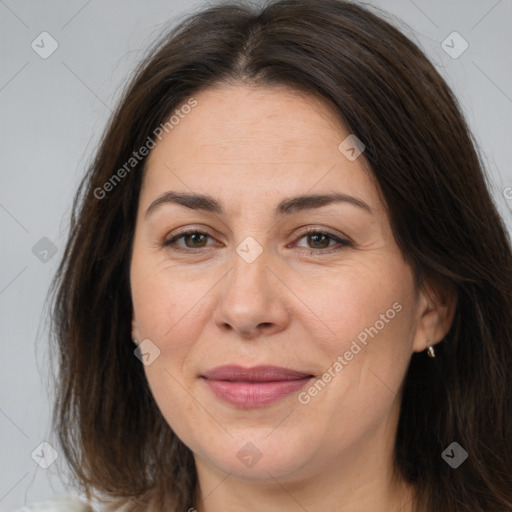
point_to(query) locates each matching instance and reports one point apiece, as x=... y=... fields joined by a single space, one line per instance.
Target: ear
x=437 y=303
x=135 y=330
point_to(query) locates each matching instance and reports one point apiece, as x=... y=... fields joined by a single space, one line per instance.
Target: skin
x=299 y=305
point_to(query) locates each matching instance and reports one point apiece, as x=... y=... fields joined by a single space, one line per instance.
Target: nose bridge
x=249 y=301
x=249 y=271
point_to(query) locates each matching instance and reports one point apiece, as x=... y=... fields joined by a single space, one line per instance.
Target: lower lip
x=254 y=394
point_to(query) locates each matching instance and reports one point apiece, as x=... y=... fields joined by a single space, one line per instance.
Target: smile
x=254 y=387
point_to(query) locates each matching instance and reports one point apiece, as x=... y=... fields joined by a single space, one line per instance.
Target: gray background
x=52 y=113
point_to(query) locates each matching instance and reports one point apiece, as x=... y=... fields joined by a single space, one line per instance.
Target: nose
x=252 y=302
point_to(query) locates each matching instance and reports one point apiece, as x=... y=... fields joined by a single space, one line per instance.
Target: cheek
x=358 y=302
x=163 y=302
x=367 y=321
x=171 y=310
x=168 y=312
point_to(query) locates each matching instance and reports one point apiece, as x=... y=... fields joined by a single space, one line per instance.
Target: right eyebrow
x=192 y=201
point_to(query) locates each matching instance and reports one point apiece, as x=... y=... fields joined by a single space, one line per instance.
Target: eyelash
x=312 y=252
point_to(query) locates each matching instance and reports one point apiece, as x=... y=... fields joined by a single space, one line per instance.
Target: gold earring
x=430 y=349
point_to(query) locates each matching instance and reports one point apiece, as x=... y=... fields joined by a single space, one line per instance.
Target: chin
x=253 y=455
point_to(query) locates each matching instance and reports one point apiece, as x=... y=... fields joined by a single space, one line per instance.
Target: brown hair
x=424 y=160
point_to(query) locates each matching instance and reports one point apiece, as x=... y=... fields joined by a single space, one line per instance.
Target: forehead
x=257 y=139
x=242 y=121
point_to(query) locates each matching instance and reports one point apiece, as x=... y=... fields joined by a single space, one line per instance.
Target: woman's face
x=335 y=310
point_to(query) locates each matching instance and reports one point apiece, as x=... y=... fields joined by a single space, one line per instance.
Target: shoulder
x=65 y=504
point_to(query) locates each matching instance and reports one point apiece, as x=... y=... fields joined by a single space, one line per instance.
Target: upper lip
x=261 y=373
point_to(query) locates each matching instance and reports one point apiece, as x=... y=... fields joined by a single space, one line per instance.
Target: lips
x=253 y=387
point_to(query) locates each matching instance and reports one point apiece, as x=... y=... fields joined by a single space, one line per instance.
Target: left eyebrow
x=306 y=202
x=285 y=207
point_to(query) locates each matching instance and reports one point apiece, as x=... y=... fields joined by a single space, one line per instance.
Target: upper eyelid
x=309 y=230
x=302 y=229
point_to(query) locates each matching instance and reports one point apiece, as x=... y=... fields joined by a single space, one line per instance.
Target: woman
x=288 y=217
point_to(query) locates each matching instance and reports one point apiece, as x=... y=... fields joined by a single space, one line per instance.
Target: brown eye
x=319 y=241
x=196 y=239
x=193 y=240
